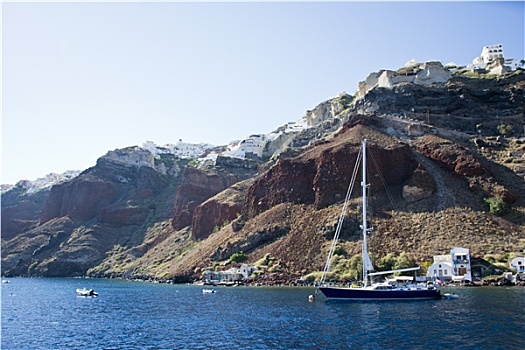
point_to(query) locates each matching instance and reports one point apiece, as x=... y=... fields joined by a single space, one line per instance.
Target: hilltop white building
x=180 y=149
x=491 y=54
x=248 y=148
x=452 y=267
x=488 y=53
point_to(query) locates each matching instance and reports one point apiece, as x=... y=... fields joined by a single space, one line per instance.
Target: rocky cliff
x=436 y=162
x=475 y=106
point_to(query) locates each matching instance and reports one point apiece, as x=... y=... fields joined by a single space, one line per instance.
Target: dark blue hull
x=341 y=293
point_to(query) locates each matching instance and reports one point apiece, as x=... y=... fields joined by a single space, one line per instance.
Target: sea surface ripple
x=45 y=313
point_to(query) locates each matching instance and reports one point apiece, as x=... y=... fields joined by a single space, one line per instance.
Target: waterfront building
x=454 y=266
x=233 y=275
x=518 y=264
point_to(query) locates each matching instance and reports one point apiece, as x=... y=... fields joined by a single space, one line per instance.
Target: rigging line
x=341 y=217
x=383 y=182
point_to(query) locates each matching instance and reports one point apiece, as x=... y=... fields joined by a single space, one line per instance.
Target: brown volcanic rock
x=105 y=189
x=86 y=217
x=220 y=209
x=119 y=215
x=212 y=214
x=290 y=180
x=24 y=250
x=420 y=186
x=21 y=210
x=451 y=156
x=19 y=218
x=79 y=199
x=321 y=175
x=483 y=177
x=196 y=186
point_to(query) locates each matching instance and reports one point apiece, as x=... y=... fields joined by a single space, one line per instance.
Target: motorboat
x=450 y=296
x=86 y=293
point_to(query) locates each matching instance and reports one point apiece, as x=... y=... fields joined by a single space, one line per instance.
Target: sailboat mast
x=364 y=224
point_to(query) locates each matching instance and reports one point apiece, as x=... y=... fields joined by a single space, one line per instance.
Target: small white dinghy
x=209 y=291
x=86 y=293
x=450 y=296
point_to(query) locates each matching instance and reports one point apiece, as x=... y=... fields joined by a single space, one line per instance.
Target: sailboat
x=368 y=290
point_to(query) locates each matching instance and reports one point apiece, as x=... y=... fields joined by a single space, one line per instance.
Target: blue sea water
x=45 y=313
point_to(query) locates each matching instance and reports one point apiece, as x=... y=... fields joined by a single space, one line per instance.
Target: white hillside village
x=491 y=59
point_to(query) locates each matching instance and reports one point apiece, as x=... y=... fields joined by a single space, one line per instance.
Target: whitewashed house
x=518 y=264
x=488 y=53
x=251 y=147
x=452 y=267
x=492 y=53
x=233 y=275
x=442 y=268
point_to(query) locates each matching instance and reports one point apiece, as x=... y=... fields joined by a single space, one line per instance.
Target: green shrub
x=339 y=251
x=497 y=206
x=194 y=163
x=276 y=268
x=403 y=261
x=490 y=258
x=238 y=257
x=387 y=262
x=505 y=130
x=265 y=261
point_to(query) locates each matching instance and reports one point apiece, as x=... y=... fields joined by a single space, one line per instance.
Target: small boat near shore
x=86 y=293
x=209 y=291
x=450 y=296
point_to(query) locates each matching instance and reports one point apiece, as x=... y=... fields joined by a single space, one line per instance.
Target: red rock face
x=464 y=164
x=291 y=180
x=321 y=176
x=114 y=193
x=196 y=187
x=212 y=214
x=451 y=156
x=19 y=217
x=80 y=199
x=122 y=216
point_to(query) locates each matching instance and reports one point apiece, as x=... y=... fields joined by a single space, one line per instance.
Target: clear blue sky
x=80 y=79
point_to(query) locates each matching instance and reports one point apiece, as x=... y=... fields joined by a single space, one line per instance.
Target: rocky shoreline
x=275 y=281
